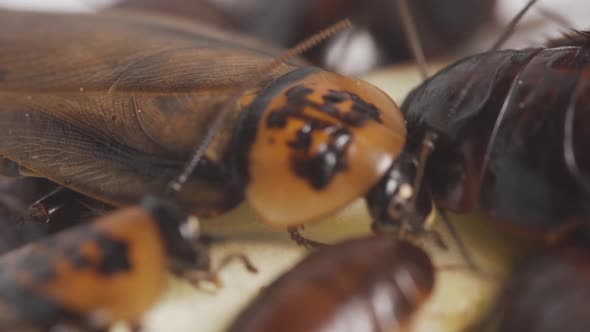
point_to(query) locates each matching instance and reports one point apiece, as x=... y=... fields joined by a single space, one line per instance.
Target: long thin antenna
x=509 y=31
x=568 y=143
x=457 y=238
x=496 y=129
x=412 y=37
x=176 y=184
x=503 y=38
x=425 y=151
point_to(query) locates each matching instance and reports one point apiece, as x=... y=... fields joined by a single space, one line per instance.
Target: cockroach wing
x=112 y=105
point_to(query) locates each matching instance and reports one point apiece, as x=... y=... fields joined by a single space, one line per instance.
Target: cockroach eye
x=399 y=204
x=190 y=229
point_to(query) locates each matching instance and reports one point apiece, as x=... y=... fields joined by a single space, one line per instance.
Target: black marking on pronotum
x=115 y=255
x=360 y=110
x=40 y=261
x=249 y=121
x=320 y=168
x=77 y=259
x=3 y=74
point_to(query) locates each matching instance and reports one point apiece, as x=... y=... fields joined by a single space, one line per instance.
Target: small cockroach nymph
x=490 y=131
x=112 y=106
x=367 y=284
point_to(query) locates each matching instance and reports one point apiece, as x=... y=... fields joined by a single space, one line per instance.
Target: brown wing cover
x=111 y=105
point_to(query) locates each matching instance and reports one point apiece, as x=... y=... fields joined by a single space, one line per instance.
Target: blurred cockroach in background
x=550 y=290
x=113 y=269
x=376 y=39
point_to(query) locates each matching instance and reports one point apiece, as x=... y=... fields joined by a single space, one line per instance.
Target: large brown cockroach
x=377 y=25
x=113 y=269
x=112 y=106
x=367 y=284
x=502 y=130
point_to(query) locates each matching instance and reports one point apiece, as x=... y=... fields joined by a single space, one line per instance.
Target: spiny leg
x=301 y=240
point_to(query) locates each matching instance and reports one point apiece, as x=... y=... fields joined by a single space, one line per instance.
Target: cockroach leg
x=460 y=244
x=302 y=240
x=96 y=209
x=466 y=268
x=437 y=238
x=41 y=211
x=196 y=276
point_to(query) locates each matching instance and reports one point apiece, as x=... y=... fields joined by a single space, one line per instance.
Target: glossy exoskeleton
x=532 y=173
x=365 y=284
x=92 y=275
x=112 y=105
x=377 y=30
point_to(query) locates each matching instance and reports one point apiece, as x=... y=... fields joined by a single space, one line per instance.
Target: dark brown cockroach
x=92 y=275
x=549 y=291
x=377 y=23
x=112 y=106
x=492 y=131
x=366 y=284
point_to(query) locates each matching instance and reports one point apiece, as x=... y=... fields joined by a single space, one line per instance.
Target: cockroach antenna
x=429 y=137
x=176 y=184
x=507 y=33
x=412 y=37
x=568 y=143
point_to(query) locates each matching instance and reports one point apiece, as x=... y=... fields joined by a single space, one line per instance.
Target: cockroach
x=377 y=25
x=367 y=284
x=92 y=275
x=503 y=131
x=112 y=105
x=549 y=291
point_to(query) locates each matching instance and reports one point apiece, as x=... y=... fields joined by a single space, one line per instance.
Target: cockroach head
x=395 y=203
x=181 y=234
